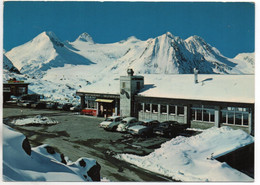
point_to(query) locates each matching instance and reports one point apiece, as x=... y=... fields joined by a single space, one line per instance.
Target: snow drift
x=37 y=120
x=192 y=159
x=42 y=163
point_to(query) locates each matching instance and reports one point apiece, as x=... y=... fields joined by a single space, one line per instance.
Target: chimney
x=130 y=72
x=196 y=71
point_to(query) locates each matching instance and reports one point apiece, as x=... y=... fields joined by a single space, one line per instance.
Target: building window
x=245 y=119
x=199 y=115
x=147 y=107
x=163 y=109
x=123 y=84
x=139 y=107
x=203 y=113
x=193 y=114
x=22 y=90
x=212 y=116
x=154 y=108
x=6 y=89
x=172 y=109
x=206 y=115
x=235 y=116
x=180 y=110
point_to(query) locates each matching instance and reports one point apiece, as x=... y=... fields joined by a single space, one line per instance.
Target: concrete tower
x=129 y=86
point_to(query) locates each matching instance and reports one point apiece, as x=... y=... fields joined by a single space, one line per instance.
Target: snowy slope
x=42 y=53
x=8 y=65
x=163 y=54
x=37 y=164
x=245 y=62
x=62 y=92
x=192 y=158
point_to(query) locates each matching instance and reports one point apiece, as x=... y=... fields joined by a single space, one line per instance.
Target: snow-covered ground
x=40 y=165
x=37 y=120
x=192 y=159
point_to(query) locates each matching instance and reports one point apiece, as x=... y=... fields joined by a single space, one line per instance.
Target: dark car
x=51 y=105
x=67 y=106
x=39 y=105
x=144 y=129
x=169 y=128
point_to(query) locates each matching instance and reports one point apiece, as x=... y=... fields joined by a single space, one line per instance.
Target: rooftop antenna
x=196 y=71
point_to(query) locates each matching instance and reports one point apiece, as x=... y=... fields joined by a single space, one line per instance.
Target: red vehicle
x=89 y=111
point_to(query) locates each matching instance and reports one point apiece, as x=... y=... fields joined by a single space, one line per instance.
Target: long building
x=200 y=102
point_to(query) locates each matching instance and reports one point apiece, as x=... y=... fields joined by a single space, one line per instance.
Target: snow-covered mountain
x=42 y=53
x=8 y=65
x=163 y=54
x=245 y=62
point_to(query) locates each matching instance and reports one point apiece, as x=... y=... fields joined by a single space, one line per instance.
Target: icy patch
x=37 y=120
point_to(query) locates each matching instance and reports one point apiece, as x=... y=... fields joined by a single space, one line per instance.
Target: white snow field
x=191 y=159
x=39 y=165
x=37 y=120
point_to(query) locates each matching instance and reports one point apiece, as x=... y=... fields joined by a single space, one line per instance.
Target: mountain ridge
x=165 y=54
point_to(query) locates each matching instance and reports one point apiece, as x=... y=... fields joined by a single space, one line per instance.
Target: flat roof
x=210 y=87
x=107 y=86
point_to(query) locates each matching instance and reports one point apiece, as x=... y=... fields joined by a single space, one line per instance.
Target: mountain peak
x=169 y=34
x=196 y=38
x=52 y=37
x=85 y=37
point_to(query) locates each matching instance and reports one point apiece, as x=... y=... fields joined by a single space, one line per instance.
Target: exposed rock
x=94 y=172
x=26 y=146
x=50 y=150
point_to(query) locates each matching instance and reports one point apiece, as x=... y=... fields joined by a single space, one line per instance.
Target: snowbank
x=192 y=159
x=37 y=120
x=41 y=163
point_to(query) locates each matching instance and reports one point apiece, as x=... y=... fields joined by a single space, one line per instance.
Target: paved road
x=79 y=136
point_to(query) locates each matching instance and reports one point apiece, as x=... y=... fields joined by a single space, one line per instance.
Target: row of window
x=173 y=109
x=235 y=118
x=203 y=115
x=230 y=115
x=20 y=90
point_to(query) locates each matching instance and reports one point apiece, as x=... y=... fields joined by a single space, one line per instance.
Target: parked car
x=25 y=103
x=67 y=106
x=89 y=111
x=126 y=123
x=51 y=105
x=111 y=123
x=145 y=129
x=38 y=105
x=59 y=106
x=169 y=128
x=76 y=108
